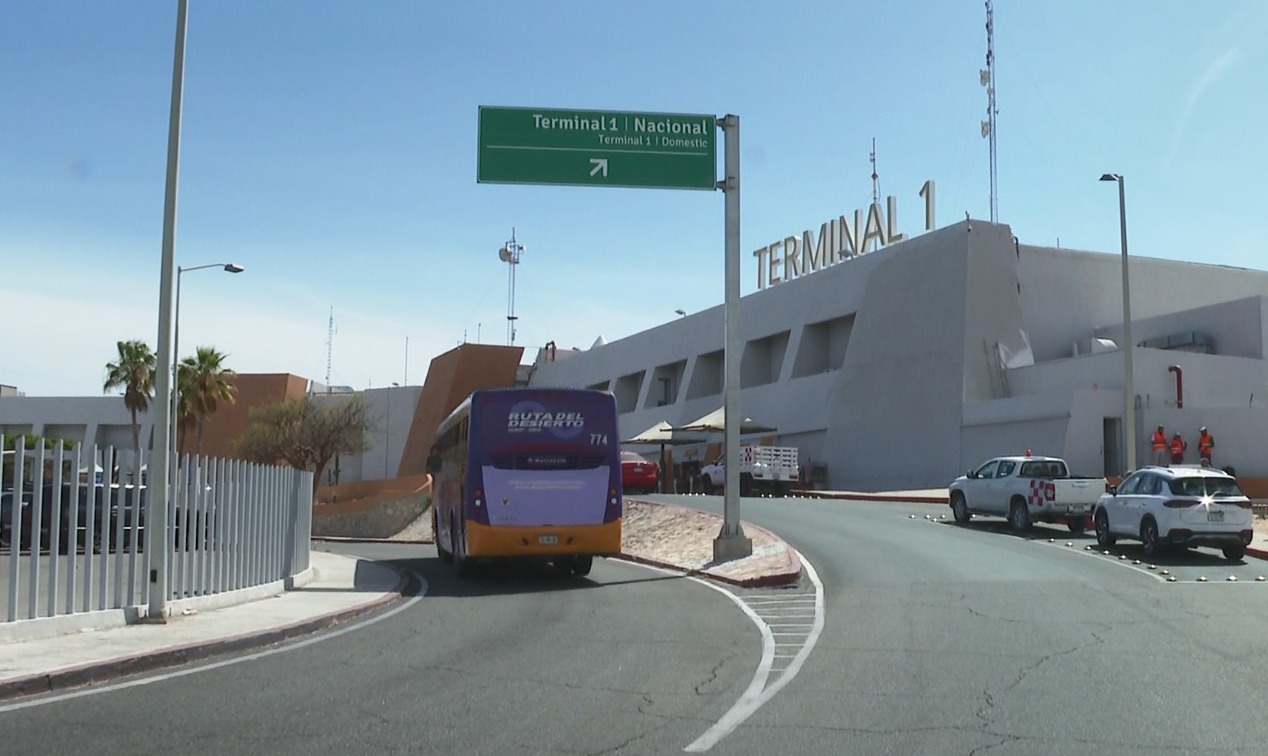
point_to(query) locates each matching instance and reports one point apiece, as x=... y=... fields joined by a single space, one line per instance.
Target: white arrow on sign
x=600 y=164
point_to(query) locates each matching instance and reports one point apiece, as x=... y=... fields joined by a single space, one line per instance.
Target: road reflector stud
x=1105 y=552
x=1071 y=543
x=1153 y=566
x=1201 y=578
x=1260 y=579
x=1232 y=578
x=1171 y=579
x=1087 y=548
x=1052 y=540
x=1135 y=561
x=911 y=517
x=1122 y=557
x=1165 y=572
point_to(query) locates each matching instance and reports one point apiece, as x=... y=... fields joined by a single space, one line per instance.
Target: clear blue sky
x=330 y=148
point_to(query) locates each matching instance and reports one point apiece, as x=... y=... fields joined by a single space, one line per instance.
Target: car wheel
x=960 y=509
x=1019 y=517
x=1235 y=553
x=1149 y=538
x=581 y=565
x=1076 y=524
x=1103 y=535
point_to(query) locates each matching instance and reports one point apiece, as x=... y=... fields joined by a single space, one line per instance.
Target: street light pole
x=158 y=546
x=176 y=340
x=1129 y=415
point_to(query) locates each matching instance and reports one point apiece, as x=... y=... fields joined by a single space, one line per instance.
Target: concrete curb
x=768 y=580
x=110 y=669
x=903 y=499
x=360 y=539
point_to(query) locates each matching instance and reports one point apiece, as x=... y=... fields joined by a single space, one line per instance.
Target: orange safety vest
x=1178 y=446
x=1205 y=443
x=1160 y=440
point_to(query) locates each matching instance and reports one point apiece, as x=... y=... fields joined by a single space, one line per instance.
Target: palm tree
x=134 y=373
x=204 y=383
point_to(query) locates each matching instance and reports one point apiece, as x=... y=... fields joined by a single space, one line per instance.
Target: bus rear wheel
x=581 y=565
x=445 y=556
x=458 y=544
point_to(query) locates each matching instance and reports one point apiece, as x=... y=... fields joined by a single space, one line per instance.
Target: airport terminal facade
x=902 y=367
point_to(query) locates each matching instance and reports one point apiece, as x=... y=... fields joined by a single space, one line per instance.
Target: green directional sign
x=597 y=148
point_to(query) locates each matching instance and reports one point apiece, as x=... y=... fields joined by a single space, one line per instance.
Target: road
x=936 y=639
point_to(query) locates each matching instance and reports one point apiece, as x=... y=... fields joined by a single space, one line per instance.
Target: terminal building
x=890 y=369
x=903 y=367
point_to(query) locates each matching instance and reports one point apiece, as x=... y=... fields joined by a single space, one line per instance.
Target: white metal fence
x=73 y=536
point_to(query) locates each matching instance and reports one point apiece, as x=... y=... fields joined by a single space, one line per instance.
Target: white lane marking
x=109 y=687
x=757 y=693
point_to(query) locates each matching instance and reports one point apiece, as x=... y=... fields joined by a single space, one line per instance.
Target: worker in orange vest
x=1206 y=442
x=1177 y=449
x=1159 y=442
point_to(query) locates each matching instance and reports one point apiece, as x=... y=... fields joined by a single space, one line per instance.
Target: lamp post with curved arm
x=1129 y=415
x=176 y=339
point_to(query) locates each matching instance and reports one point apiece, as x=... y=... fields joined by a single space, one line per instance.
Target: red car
x=638 y=475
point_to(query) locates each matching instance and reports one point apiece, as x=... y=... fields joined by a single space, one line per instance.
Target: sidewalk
x=341 y=588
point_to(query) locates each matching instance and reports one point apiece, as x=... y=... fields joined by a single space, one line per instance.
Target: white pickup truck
x=762 y=468
x=1026 y=490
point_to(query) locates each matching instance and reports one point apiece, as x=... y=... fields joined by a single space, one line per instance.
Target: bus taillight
x=478 y=499
x=614 y=497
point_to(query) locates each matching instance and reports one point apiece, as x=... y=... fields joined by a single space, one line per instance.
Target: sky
x=329 y=147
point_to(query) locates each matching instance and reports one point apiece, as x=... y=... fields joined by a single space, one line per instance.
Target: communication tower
x=510 y=254
x=876 y=184
x=330 y=342
x=987 y=78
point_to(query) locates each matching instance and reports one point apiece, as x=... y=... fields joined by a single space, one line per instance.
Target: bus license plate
x=1215 y=517
x=547 y=540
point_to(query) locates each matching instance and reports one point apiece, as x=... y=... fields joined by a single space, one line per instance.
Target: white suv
x=1176 y=506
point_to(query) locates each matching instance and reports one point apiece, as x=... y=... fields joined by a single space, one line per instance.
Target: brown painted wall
x=451 y=377
x=231 y=420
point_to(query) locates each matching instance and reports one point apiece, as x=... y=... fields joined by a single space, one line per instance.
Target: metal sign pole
x=731 y=543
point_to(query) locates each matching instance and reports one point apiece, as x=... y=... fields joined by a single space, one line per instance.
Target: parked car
x=6 y=516
x=637 y=474
x=1026 y=489
x=102 y=509
x=772 y=469
x=1177 y=506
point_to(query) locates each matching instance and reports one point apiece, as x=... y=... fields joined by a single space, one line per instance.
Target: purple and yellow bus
x=528 y=472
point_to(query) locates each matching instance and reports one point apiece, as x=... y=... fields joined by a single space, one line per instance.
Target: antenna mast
x=330 y=342
x=876 y=184
x=510 y=254
x=987 y=78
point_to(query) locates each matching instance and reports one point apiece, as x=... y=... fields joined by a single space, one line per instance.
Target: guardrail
x=73 y=536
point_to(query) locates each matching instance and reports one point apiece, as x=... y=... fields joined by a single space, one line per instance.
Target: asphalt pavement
x=339 y=588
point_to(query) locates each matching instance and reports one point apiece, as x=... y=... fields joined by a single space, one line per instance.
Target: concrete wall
x=371 y=509
x=451 y=377
x=957 y=345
